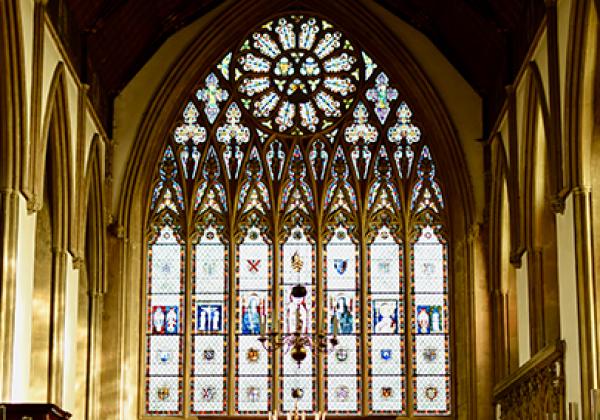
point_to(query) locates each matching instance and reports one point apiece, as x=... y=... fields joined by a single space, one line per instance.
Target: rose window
x=297 y=75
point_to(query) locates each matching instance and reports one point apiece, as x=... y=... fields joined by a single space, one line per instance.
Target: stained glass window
x=296 y=162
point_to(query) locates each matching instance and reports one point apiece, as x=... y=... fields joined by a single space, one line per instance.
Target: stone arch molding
x=56 y=125
x=167 y=103
x=93 y=196
x=536 y=103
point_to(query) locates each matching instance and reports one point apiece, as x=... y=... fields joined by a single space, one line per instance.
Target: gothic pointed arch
x=260 y=149
x=539 y=221
x=56 y=144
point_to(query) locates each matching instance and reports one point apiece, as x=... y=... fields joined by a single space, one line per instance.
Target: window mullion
x=187 y=345
x=232 y=325
x=319 y=323
x=275 y=361
x=408 y=320
x=364 y=320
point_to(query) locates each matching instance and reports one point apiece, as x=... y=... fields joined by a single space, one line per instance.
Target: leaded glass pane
x=253 y=288
x=209 y=317
x=164 y=345
x=386 y=328
x=330 y=165
x=297 y=255
x=430 y=324
x=342 y=308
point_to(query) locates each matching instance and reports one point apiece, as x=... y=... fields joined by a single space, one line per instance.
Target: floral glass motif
x=297 y=74
x=404 y=134
x=381 y=95
x=383 y=194
x=212 y=95
x=233 y=134
x=189 y=135
x=286 y=156
x=168 y=195
x=361 y=134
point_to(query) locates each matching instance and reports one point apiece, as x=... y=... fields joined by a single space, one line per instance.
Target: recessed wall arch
x=502 y=282
x=56 y=141
x=538 y=208
x=93 y=199
x=13 y=121
x=432 y=115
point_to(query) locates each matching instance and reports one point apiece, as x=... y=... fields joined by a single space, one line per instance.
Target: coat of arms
x=340 y=265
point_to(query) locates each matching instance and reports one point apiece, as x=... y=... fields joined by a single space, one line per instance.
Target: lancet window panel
x=296 y=161
x=342 y=309
x=210 y=324
x=254 y=305
x=431 y=361
x=298 y=268
x=386 y=324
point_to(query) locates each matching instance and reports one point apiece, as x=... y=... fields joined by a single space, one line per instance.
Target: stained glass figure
x=431 y=359
x=275 y=160
x=318 y=159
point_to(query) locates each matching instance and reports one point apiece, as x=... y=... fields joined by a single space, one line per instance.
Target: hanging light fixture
x=297 y=342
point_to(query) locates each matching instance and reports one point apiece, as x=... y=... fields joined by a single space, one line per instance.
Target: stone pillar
x=9 y=222
x=586 y=295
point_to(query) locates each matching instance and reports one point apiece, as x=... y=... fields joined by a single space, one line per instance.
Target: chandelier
x=297 y=342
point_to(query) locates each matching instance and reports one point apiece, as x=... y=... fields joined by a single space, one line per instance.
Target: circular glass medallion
x=297 y=75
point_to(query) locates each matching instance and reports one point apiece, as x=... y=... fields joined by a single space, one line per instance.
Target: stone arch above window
x=297 y=146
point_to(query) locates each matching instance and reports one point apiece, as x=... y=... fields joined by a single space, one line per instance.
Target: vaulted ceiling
x=111 y=40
